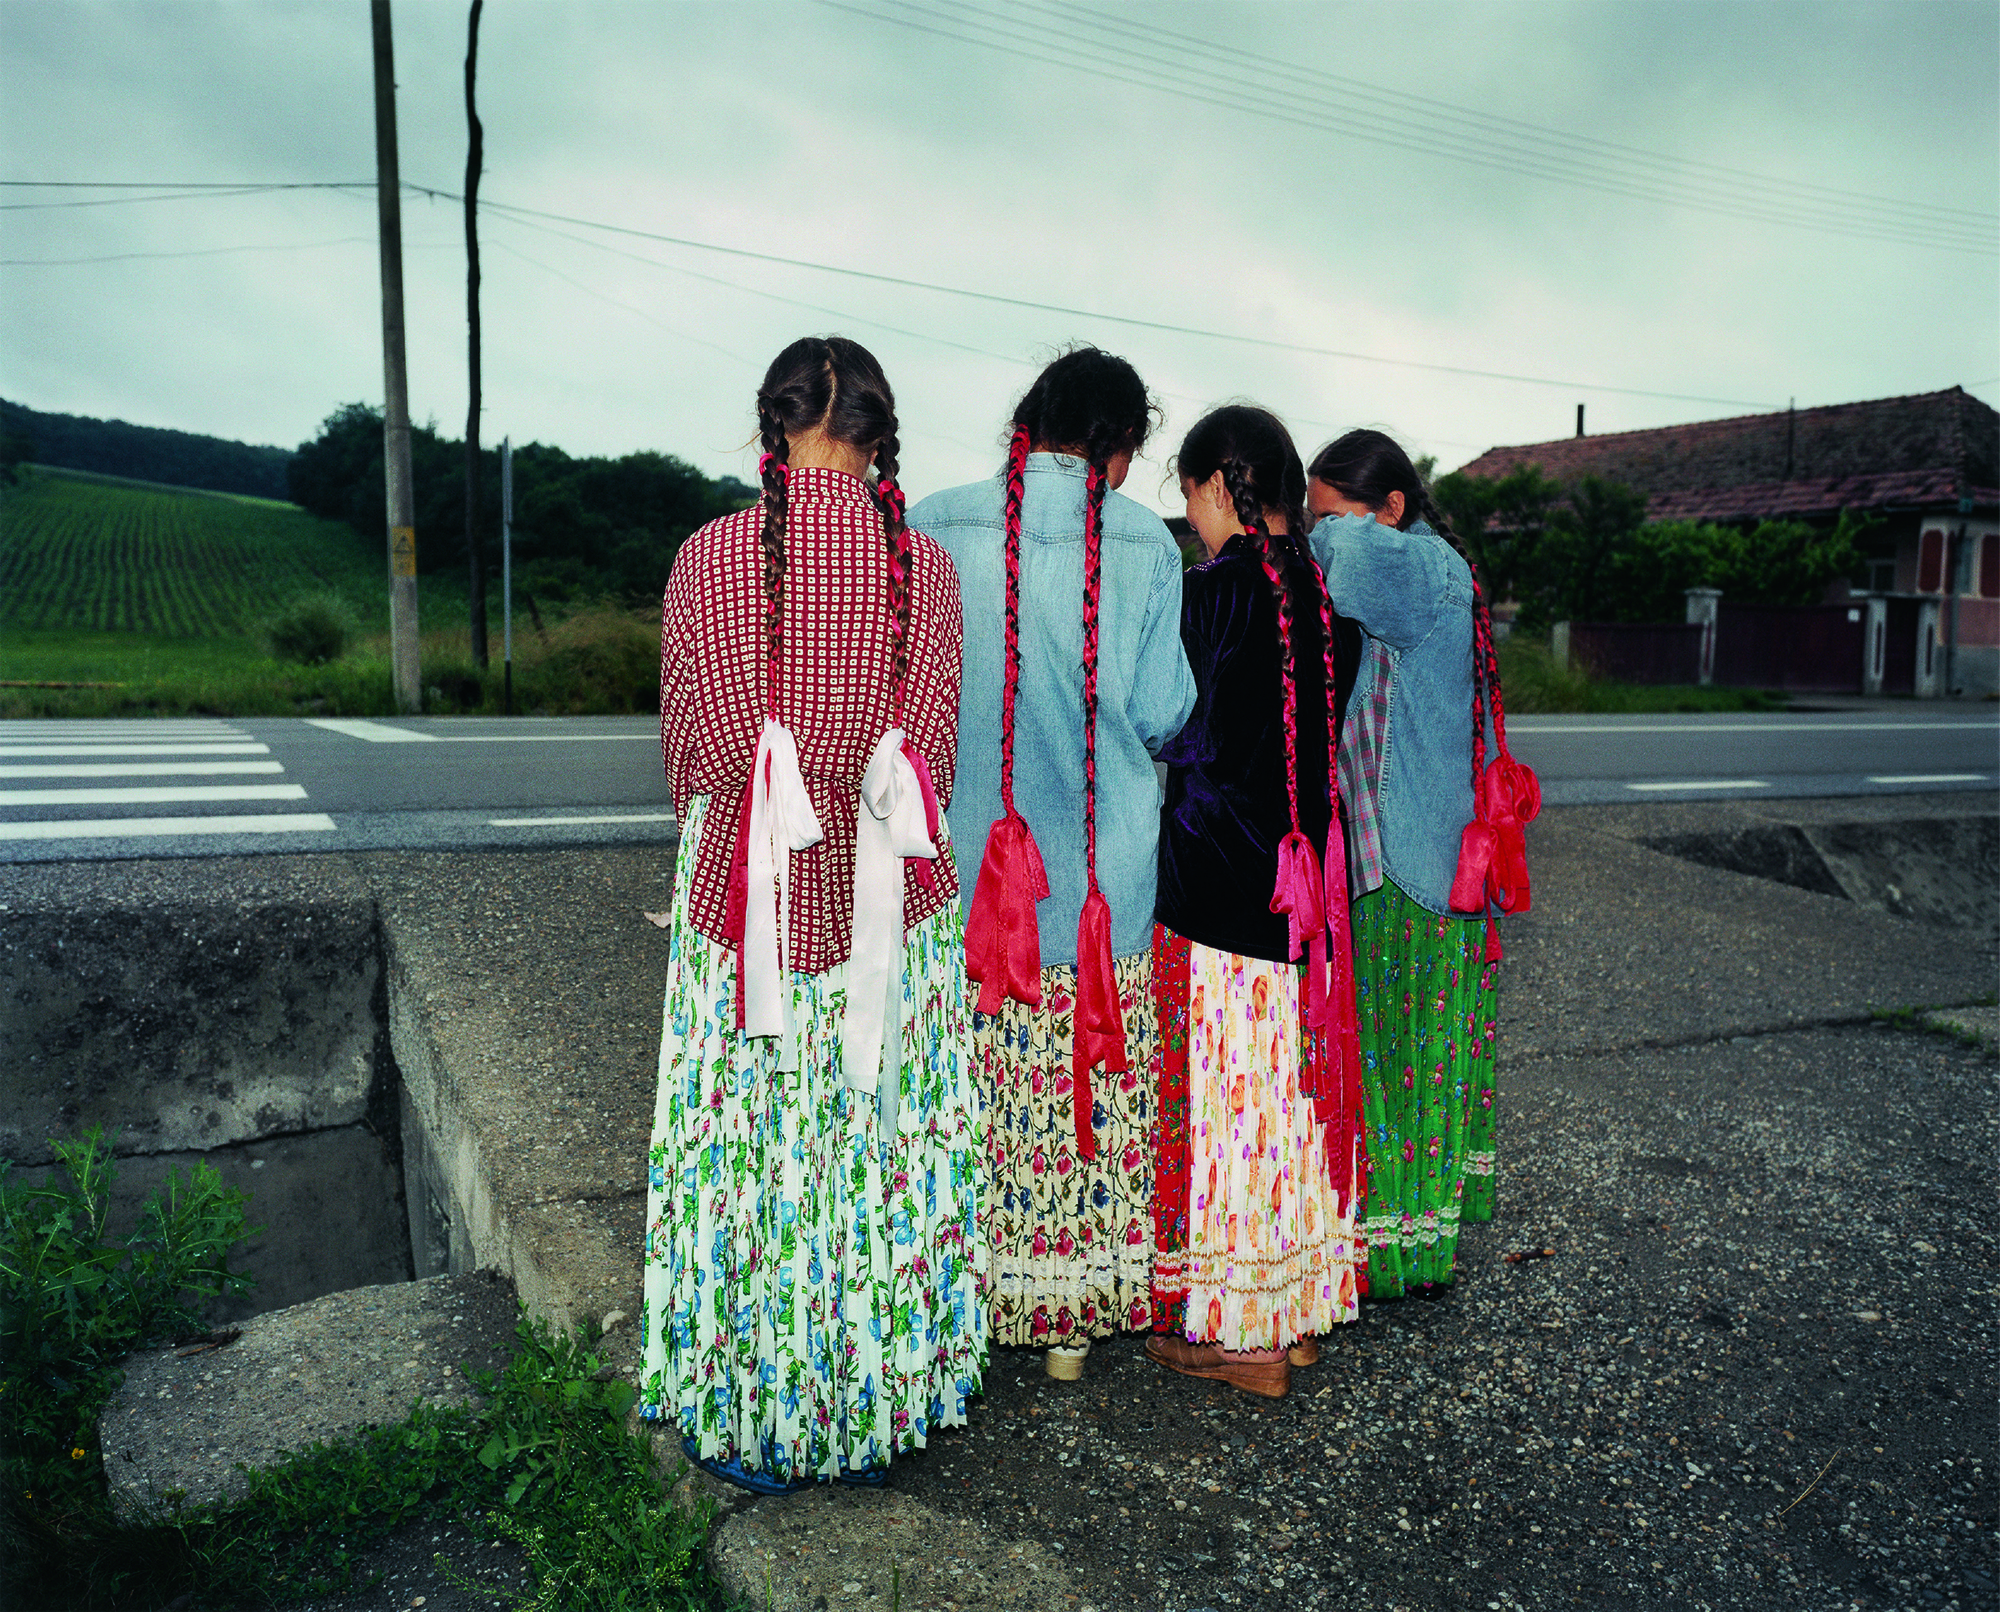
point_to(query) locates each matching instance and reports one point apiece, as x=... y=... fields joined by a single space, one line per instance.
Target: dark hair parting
x=836 y=384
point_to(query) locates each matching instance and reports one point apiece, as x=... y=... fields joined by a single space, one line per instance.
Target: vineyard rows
x=83 y=555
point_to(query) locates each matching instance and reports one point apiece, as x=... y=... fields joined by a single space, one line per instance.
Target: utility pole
x=475 y=157
x=395 y=381
x=507 y=572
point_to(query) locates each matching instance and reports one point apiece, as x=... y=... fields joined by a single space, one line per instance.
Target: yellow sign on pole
x=403 y=551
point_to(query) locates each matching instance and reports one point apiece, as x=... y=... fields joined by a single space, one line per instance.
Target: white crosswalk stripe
x=172 y=750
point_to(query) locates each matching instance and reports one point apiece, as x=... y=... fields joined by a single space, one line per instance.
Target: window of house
x=1882 y=575
x=1930 y=562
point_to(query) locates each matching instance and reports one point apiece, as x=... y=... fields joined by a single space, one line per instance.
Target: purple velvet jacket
x=1225 y=808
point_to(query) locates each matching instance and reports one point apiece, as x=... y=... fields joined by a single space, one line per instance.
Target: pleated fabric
x=815 y=1290
x=1428 y=1006
x=1269 y=1246
x=1071 y=1238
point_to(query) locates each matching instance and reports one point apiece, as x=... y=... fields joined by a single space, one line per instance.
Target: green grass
x=546 y=1460
x=97 y=555
x=164 y=593
x=1532 y=684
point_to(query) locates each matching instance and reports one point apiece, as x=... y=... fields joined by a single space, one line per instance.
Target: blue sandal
x=874 y=1477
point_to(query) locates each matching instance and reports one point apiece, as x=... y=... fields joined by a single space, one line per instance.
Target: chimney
x=1579 y=419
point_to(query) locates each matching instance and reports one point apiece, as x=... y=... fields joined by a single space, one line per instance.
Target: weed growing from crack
x=547 y=1462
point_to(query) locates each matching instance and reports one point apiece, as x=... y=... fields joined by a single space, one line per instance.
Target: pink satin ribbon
x=1493 y=851
x=924 y=867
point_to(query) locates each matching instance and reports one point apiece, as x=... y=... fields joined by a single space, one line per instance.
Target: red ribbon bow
x=1003 y=945
x=1493 y=851
x=1313 y=894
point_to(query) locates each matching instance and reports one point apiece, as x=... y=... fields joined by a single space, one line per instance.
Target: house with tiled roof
x=1927 y=466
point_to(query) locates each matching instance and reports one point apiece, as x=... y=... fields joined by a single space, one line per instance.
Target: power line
x=153 y=192
x=188 y=184
x=206 y=251
x=518 y=213
x=508 y=208
x=1392 y=124
x=1402 y=101
x=1171 y=76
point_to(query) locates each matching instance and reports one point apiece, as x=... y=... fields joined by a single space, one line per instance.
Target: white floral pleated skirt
x=814 y=1290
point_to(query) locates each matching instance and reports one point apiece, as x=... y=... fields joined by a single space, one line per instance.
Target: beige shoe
x=1064 y=1362
x=1304 y=1353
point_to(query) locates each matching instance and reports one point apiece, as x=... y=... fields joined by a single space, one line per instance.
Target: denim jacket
x=1144 y=689
x=1412 y=591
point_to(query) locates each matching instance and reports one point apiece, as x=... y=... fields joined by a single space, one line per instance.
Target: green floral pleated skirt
x=1428 y=1007
x=814 y=1289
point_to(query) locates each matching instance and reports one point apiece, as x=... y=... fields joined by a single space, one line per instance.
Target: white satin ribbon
x=782 y=820
x=889 y=827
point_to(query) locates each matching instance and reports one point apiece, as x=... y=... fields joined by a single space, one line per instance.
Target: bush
x=602 y=660
x=313 y=628
x=73 y=1303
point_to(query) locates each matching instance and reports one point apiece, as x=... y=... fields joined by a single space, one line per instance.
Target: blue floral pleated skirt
x=815 y=1290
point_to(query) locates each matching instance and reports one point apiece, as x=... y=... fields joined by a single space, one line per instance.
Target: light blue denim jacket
x=1411 y=590
x=1144 y=689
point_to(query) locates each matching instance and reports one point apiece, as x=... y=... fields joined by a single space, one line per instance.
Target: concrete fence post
x=1559 y=645
x=1930 y=651
x=1875 y=646
x=1703 y=606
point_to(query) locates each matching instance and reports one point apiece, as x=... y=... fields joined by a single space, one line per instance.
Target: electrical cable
x=962 y=25
x=502 y=209
x=153 y=193
x=205 y=251
x=1400 y=101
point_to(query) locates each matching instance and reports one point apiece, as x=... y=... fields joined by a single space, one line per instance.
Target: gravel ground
x=1757 y=1371
x=426 y=1565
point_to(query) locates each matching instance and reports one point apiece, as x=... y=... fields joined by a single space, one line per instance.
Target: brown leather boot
x=1268 y=1379
x=1304 y=1353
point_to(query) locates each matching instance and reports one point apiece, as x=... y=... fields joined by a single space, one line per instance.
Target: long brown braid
x=890 y=501
x=835 y=384
x=774 y=471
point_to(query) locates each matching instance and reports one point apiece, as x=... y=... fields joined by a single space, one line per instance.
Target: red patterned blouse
x=833 y=692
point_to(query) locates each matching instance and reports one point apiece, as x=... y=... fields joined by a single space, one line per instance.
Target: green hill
x=148 y=452
x=80 y=553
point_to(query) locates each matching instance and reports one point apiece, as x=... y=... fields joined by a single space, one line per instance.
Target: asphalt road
x=203 y=787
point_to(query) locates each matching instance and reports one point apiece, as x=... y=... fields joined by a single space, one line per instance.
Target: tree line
x=141 y=452
x=583 y=527
x=1586 y=552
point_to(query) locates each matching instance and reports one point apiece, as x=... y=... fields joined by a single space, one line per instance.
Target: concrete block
x=188 y=1025
x=178 y=1427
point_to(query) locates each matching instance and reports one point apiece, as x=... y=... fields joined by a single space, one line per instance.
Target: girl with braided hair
x=1074 y=679
x=1256 y=1166
x=1424 y=967
x=814 y=1262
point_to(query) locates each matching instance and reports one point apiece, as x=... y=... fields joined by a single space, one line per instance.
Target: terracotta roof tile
x=1890 y=451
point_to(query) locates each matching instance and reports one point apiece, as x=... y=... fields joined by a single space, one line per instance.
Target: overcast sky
x=1212 y=167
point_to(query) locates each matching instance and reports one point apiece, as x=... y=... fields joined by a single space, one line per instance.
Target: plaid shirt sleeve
x=1360 y=765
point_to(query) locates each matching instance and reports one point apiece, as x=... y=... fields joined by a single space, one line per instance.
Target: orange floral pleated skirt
x=1256 y=1248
